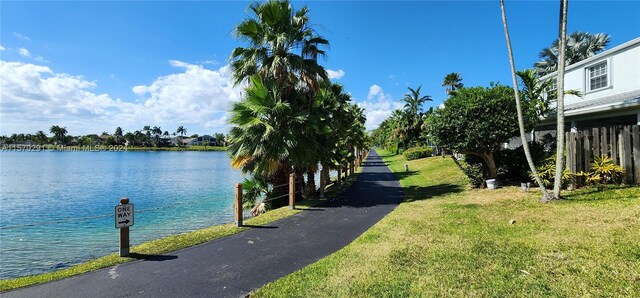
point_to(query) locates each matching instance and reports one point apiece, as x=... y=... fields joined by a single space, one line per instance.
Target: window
x=597 y=76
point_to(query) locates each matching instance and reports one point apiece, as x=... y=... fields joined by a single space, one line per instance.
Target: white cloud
x=335 y=74
x=41 y=59
x=21 y=37
x=34 y=97
x=24 y=52
x=193 y=96
x=378 y=106
x=373 y=91
x=1 y=48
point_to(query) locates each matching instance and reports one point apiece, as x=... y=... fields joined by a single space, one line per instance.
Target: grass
x=448 y=240
x=158 y=247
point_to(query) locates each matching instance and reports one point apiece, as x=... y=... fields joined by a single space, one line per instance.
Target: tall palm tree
x=579 y=46
x=523 y=137
x=283 y=46
x=560 y=118
x=40 y=137
x=59 y=133
x=413 y=107
x=266 y=139
x=452 y=81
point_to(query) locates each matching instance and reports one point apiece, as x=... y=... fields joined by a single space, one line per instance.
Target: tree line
x=148 y=136
x=291 y=118
x=478 y=121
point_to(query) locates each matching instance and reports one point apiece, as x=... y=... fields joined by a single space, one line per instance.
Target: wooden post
x=613 y=136
x=237 y=207
x=626 y=152
x=596 y=143
x=587 y=150
x=292 y=190
x=579 y=152
x=635 y=134
x=124 y=234
x=604 y=148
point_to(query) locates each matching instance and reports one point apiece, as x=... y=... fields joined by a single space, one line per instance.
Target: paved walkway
x=234 y=266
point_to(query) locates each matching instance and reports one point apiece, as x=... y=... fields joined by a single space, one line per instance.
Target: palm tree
x=560 y=118
x=40 y=138
x=59 y=133
x=523 y=137
x=452 y=81
x=283 y=47
x=579 y=46
x=413 y=107
x=266 y=139
x=219 y=139
x=540 y=93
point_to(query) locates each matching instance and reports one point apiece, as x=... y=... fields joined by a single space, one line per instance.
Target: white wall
x=624 y=72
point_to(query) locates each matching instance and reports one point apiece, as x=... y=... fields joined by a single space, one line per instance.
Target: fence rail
x=620 y=143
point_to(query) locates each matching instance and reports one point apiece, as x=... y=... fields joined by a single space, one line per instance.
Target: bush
x=512 y=163
x=547 y=172
x=476 y=174
x=603 y=171
x=417 y=153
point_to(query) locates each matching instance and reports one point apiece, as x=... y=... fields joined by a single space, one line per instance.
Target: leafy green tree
x=477 y=121
x=579 y=46
x=452 y=81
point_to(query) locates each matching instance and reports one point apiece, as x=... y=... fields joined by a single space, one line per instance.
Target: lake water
x=56 y=208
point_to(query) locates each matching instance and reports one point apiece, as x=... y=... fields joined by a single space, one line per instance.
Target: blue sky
x=92 y=66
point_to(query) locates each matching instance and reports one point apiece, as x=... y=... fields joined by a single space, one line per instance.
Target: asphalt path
x=234 y=266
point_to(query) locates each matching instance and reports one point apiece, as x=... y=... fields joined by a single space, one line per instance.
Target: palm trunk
x=560 y=79
x=311 y=182
x=280 y=181
x=523 y=137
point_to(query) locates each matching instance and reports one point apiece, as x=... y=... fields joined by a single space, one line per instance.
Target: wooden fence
x=620 y=143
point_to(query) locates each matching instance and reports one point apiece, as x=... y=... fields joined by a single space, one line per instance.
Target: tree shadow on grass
x=148 y=257
x=418 y=193
x=595 y=193
x=402 y=175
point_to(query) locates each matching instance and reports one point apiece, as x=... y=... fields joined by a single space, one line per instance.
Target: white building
x=610 y=86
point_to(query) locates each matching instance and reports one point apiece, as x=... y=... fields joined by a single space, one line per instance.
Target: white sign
x=124 y=215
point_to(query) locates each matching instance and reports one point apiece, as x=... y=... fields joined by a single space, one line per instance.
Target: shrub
x=512 y=163
x=547 y=172
x=603 y=171
x=476 y=174
x=417 y=153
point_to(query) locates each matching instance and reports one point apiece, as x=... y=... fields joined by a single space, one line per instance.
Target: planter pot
x=491 y=184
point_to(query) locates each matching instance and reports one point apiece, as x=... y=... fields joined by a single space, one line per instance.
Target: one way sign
x=124 y=215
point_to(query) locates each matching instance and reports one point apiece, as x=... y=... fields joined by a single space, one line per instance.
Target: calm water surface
x=56 y=208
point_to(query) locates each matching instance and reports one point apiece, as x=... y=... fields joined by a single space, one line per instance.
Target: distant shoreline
x=101 y=148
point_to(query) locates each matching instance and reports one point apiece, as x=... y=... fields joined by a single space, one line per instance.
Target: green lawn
x=447 y=240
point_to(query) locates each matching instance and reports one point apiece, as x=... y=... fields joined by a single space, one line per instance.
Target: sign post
x=123 y=215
